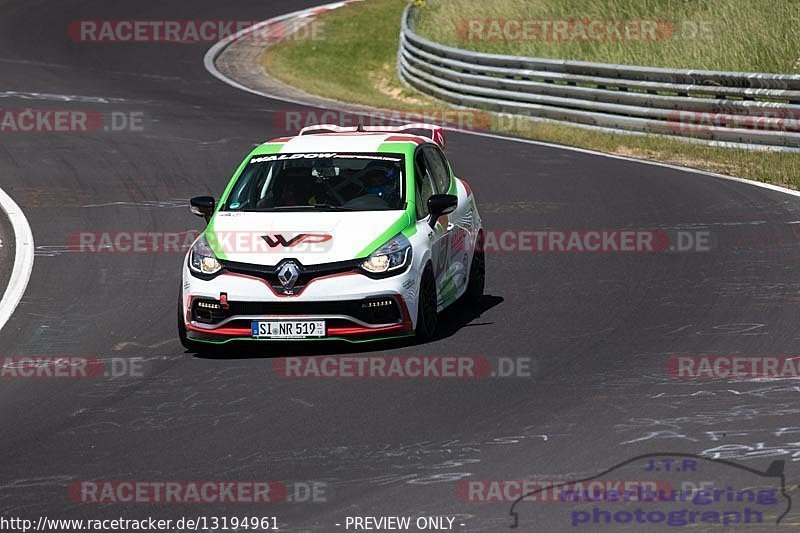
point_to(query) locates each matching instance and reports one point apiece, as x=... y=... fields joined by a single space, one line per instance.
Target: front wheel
x=427 y=317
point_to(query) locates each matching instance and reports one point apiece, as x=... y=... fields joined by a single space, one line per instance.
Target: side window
x=424 y=184
x=439 y=168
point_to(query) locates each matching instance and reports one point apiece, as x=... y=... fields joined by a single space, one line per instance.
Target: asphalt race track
x=599 y=327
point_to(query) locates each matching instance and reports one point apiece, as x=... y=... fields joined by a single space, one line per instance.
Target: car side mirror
x=441 y=204
x=202 y=206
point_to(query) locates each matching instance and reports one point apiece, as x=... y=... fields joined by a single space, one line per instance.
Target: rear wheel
x=427 y=317
x=477 y=274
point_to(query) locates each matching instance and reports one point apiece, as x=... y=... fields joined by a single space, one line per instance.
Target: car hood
x=311 y=238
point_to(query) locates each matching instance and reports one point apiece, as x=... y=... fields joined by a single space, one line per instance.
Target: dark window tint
x=423 y=184
x=439 y=169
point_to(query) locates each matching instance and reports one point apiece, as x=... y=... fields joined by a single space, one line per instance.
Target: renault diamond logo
x=288 y=275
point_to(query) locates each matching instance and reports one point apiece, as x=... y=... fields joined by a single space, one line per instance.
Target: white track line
x=23 y=258
x=217 y=49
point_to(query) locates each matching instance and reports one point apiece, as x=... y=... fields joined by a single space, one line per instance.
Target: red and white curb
x=23 y=257
x=217 y=49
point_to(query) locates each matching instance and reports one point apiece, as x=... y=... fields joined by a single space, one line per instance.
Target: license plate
x=288 y=329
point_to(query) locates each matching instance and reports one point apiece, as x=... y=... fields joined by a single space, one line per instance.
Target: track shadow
x=459 y=316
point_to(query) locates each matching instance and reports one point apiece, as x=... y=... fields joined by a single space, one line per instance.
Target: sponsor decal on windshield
x=290 y=157
x=287 y=157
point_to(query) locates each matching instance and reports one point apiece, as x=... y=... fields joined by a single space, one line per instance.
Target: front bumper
x=354 y=307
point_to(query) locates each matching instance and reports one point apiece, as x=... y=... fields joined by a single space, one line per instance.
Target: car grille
x=307 y=274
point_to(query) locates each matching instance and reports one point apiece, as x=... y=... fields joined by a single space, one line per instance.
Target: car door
x=425 y=188
x=449 y=265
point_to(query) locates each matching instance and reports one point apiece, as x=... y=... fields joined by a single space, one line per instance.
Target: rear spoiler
x=429 y=131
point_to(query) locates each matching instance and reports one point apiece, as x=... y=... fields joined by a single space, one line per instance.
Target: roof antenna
x=360 y=128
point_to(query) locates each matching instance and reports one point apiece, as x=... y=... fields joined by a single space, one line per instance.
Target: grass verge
x=354 y=60
x=739 y=35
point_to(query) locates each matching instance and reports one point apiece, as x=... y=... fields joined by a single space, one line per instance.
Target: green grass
x=354 y=59
x=741 y=35
x=356 y=62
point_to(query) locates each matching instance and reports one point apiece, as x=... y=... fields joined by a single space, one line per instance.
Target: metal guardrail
x=739 y=108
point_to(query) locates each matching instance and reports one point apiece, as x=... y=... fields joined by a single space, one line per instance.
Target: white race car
x=352 y=234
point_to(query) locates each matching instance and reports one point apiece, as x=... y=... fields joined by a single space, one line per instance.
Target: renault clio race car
x=352 y=234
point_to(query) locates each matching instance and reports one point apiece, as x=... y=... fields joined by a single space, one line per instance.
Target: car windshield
x=320 y=181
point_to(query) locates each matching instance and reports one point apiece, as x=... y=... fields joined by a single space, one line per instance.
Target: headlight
x=392 y=256
x=202 y=258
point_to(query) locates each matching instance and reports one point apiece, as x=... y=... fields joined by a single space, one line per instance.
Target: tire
x=427 y=316
x=477 y=274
